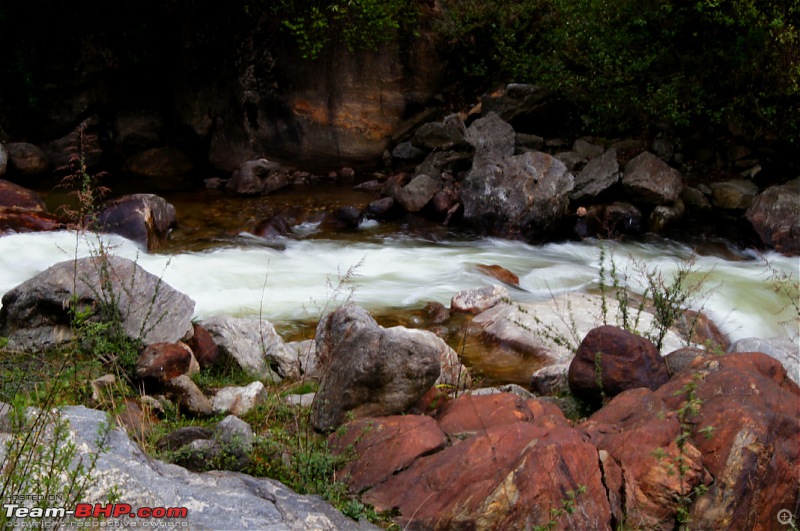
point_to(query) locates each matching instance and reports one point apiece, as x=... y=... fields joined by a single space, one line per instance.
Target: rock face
x=611 y=360
x=215 y=500
x=144 y=218
x=775 y=215
x=523 y=196
x=35 y=314
x=369 y=370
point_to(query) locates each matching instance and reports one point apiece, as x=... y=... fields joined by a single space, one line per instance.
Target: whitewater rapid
x=305 y=277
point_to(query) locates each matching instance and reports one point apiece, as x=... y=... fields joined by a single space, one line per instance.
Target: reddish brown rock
x=508 y=477
x=650 y=466
x=22 y=210
x=164 y=361
x=205 y=349
x=385 y=446
x=611 y=360
x=470 y=414
x=500 y=273
x=746 y=423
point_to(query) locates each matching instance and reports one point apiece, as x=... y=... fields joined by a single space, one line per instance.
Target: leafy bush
x=636 y=64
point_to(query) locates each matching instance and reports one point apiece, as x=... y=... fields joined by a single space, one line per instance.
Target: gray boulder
x=36 y=316
x=368 y=370
x=775 y=216
x=215 y=500
x=415 y=195
x=650 y=180
x=491 y=134
x=600 y=174
x=255 y=346
x=523 y=196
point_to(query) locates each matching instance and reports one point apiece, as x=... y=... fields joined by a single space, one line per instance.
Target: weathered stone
x=500 y=273
x=507 y=477
x=491 y=135
x=254 y=345
x=470 y=414
x=257 y=177
x=681 y=359
x=775 y=216
x=380 y=208
x=144 y=218
x=610 y=360
x=655 y=468
x=649 y=179
x=523 y=196
x=369 y=370
x=26 y=159
x=406 y=152
x=665 y=217
x=162 y=362
x=177 y=439
x=600 y=174
x=385 y=446
x=695 y=200
x=570 y=159
x=586 y=150
x=217 y=500
x=164 y=162
x=733 y=195
x=418 y=193
x=447 y=134
x=306 y=354
x=786 y=351
x=745 y=420
x=189 y=396
x=13 y=196
x=551 y=380
x=205 y=350
x=239 y=400
x=35 y=314
x=477 y=300
x=22 y=210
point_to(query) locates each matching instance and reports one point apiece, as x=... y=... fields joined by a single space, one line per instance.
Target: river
x=393 y=268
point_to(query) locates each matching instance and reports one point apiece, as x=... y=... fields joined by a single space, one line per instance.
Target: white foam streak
x=305 y=278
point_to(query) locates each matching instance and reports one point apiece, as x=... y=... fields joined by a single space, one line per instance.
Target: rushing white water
x=309 y=275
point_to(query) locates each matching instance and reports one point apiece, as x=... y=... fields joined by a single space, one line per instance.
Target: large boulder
x=508 y=476
x=368 y=370
x=447 y=134
x=144 y=218
x=600 y=174
x=610 y=360
x=419 y=192
x=733 y=195
x=491 y=134
x=785 y=351
x=215 y=500
x=775 y=216
x=650 y=180
x=523 y=196
x=36 y=314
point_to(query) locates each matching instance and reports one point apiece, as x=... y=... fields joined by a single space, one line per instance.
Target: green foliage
x=633 y=65
x=358 y=24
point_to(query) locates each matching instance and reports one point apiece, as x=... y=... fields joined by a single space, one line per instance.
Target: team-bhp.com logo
x=97 y=510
